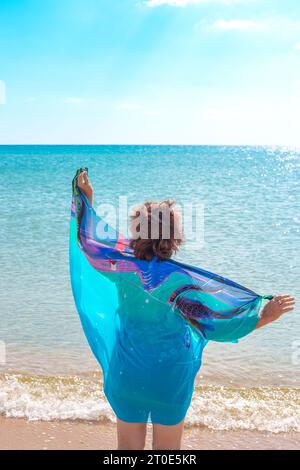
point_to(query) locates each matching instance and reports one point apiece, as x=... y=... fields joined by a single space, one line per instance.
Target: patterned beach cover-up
x=147 y=322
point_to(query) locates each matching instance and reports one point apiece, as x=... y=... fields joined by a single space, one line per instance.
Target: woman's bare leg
x=167 y=437
x=131 y=436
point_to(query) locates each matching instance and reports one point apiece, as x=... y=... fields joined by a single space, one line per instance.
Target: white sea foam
x=261 y=409
x=49 y=398
x=218 y=408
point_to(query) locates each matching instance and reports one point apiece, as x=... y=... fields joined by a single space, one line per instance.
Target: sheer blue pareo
x=147 y=322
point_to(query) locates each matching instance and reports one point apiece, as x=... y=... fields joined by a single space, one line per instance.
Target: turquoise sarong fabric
x=147 y=322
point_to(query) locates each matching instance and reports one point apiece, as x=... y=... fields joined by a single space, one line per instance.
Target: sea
x=250 y=199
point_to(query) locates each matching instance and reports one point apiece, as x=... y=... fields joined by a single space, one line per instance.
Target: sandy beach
x=19 y=434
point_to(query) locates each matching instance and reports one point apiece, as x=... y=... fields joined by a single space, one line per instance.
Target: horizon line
x=149 y=145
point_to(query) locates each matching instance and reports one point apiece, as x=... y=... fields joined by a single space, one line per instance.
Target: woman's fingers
x=289 y=299
x=282 y=304
x=288 y=304
x=82 y=179
x=287 y=310
x=283 y=297
x=281 y=300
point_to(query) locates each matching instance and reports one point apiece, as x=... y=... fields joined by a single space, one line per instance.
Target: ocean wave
x=258 y=408
x=218 y=408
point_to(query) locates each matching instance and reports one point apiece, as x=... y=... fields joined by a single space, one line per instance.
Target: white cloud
x=297 y=46
x=74 y=100
x=286 y=29
x=183 y=3
x=30 y=99
x=239 y=25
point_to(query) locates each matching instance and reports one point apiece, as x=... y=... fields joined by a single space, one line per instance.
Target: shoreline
x=21 y=434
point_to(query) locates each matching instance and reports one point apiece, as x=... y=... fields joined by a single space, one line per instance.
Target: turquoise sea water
x=252 y=235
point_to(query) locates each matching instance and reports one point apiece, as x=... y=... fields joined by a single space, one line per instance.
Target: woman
x=147 y=318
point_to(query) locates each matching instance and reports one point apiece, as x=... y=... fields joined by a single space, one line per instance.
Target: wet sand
x=16 y=434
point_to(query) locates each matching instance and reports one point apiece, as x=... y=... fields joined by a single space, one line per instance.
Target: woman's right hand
x=85 y=186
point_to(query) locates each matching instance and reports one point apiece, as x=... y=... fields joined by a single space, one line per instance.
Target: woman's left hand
x=85 y=186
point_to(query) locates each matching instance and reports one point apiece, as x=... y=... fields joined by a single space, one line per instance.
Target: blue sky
x=150 y=72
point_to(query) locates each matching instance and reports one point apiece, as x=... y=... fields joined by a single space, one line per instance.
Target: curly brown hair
x=156 y=230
